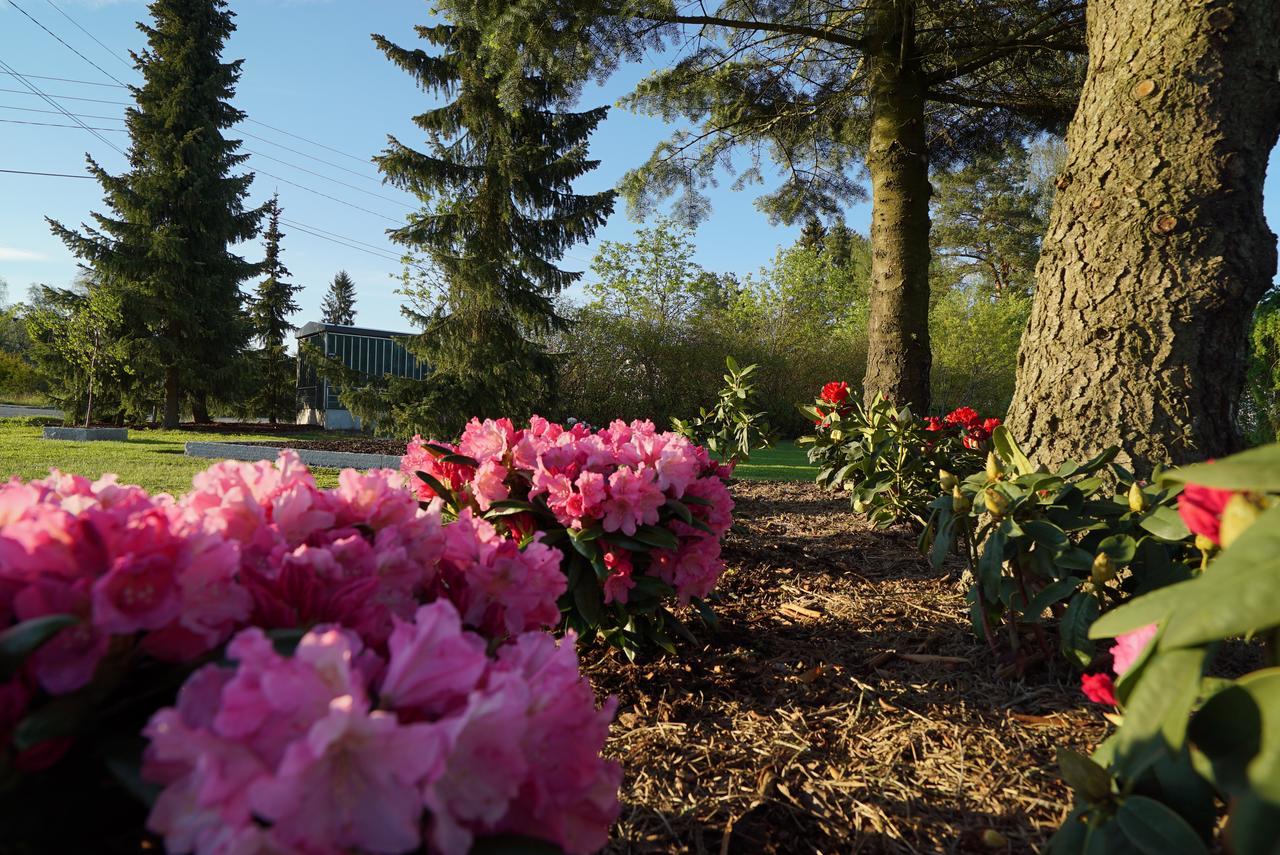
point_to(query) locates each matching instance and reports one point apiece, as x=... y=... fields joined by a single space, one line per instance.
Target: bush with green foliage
x=730 y=431
x=886 y=457
x=1260 y=406
x=1189 y=743
x=975 y=338
x=1042 y=542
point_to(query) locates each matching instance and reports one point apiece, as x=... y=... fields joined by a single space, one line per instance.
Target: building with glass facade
x=371 y=352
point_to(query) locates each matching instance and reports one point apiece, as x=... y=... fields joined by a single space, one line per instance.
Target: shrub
x=885 y=457
x=730 y=431
x=1037 y=540
x=640 y=514
x=1189 y=742
x=352 y=708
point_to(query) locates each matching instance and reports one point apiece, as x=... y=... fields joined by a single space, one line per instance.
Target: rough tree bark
x=898 y=356
x=1157 y=249
x=172 y=397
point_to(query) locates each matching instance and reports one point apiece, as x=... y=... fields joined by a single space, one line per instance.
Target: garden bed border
x=79 y=434
x=309 y=456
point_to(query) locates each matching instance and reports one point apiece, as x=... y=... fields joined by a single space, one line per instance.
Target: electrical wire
x=61 y=12
x=46 y=174
x=25 y=82
x=64 y=44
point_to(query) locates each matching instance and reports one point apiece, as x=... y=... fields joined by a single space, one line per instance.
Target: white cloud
x=10 y=254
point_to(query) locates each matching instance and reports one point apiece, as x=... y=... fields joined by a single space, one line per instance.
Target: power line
x=90 y=35
x=60 y=125
x=68 y=97
x=13 y=73
x=47 y=174
x=304 y=154
x=64 y=44
x=363 y=160
x=334 y=180
x=56 y=113
x=295 y=223
x=327 y=196
x=25 y=82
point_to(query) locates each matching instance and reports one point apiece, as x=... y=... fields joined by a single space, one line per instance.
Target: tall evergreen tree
x=178 y=208
x=271 y=308
x=499 y=211
x=339 y=304
x=823 y=88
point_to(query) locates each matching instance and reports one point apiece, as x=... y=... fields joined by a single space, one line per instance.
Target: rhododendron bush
x=885 y=457
x=1050 y=551
x=1189 y=740
x=280 y=668
x=638 y=515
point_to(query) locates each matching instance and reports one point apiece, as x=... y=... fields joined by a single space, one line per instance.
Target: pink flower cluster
x=620 y=478
x=1125 y=652
x=334 y=749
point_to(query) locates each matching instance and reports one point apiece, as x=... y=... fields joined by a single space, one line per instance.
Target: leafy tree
x=1157 y=250
x=988 y=218
x=178 y=208
x=499 y=210
x=270 y=311
x=339 y=304
x=1260 y=409
x=821 y=88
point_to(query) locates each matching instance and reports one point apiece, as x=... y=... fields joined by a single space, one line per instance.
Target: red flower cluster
x=1201 y=509
x=836 y=393
x=974 y=428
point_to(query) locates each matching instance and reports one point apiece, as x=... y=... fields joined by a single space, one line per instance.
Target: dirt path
x=845 y=706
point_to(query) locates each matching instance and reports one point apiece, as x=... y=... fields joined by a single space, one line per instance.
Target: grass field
x=786 y=461
x=154 y=459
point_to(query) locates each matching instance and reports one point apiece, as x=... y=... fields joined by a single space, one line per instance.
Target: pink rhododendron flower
x=1129 y=646
x=619 y=582
x=489 y=485
x=433 y=663
x=634 y=499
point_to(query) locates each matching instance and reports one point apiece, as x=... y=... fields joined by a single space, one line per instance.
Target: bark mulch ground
x=357 y=445
x=845 y=706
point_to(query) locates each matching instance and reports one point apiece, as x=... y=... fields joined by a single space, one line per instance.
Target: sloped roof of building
x=315 y=328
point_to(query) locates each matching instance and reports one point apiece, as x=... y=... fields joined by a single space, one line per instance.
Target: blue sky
x=309 y=70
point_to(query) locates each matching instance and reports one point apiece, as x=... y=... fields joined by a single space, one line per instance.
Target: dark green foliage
x=339 y=304
x=274 y=396
x=178 y=209
x=1260 y=408
x=988 y=217
x=730 y=430
x=499 y=210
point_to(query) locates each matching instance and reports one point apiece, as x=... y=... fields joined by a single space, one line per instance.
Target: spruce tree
x=179 y=207
x=339 y=304
x=499 y=210
x=272 y=306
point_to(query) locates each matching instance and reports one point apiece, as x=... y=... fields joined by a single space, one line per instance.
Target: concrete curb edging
x=87 y=434
x=310 y=456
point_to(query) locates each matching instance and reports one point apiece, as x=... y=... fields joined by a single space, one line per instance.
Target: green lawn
x=153 y=459
x=786 y=461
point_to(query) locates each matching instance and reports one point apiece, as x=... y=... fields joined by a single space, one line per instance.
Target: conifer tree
x=179 y=207
x=272 y=306
x=339 y=304
x=499 y=211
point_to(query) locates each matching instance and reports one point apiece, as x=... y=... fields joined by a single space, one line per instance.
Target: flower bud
x=997 y=503
x=960 y=503
x=947 y=480
x=1137 y=501
x=1237 y=516
x=1104 y=570
x=993 y=839
x=994 y=470
x=859 y=506
x=1205 y=544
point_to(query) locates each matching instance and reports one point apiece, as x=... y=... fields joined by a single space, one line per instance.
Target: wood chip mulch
x=845 y=706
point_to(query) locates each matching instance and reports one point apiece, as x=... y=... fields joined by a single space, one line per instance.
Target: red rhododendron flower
x=1201 y=509
x=835 y=392
x=963 y=417
x=933 y=423
x=990 y=425
x=1099 y=688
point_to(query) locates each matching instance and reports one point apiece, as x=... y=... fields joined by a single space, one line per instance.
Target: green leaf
x=1238 y=729
x=436 y=449
x=1155 y=829
x=1156 y=715
x=439 y=489
x=991 y=563
x=657 y=537
x=1052 y=593
x=513 y=844
x=680 y=509
x=460 y=460
x=1239 y=592
x=1164 y=522
x=21 y=640
x=1154 y=607
x=1008 y=449
x=1121 y=548
x=1089 y=780
x=1081 y=612
x=1256 y=470
x=708 y=616
x=586 y=548
x=588 y=600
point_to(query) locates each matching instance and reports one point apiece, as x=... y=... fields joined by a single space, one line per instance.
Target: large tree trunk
x=200 y=408
x=898 y=356
x=172 y=397
x=1157 y=249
